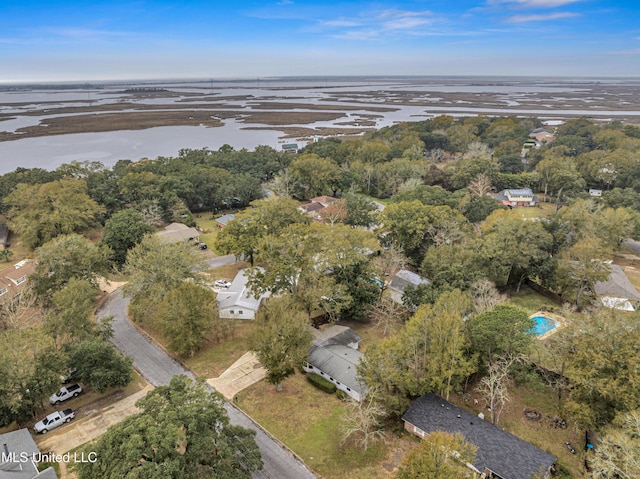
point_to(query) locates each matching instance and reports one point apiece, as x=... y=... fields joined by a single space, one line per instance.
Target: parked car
x=54 y=420
x=222 y=283
x=65 y=393
x=202 y=245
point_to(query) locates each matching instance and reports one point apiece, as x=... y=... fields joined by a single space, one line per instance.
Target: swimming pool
x=543 y=325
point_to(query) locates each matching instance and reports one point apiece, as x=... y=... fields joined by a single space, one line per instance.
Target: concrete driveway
x=240 y=375
x=87 y=428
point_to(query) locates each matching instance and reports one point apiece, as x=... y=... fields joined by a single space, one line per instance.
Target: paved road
x=220 y=261
x=158 y=368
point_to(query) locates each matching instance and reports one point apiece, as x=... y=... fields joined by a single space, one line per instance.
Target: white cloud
x=543 y=17
x=386 y=22
x=285 y=2
x=535 y=3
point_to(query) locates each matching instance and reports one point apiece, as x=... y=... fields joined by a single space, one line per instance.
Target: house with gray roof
x=19 y=457
x=401 y=280
x=617 y=292
x=519 y=197
x=238 y=301
x=177 y=232
x=500 y=454
x=335 y=356
x=224 y=220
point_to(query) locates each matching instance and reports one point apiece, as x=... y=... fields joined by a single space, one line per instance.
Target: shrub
x=343 y=396
x=322 y=383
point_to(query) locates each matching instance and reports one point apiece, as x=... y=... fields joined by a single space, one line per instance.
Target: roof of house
x=177 y=232
x=499 y=451
x=239 y=294
x=18 y=270
x=404 y=277
x=18 y=442
x=324 y=200
x=519 y=192
x=336 y=335
x=312 y=207
x=224 y=219
x=339 y=362
x=618 y=285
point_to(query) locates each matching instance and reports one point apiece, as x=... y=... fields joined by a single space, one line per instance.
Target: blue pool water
x=543 y=325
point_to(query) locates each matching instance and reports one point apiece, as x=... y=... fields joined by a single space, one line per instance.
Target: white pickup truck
x=54 y=420
x=65 y=393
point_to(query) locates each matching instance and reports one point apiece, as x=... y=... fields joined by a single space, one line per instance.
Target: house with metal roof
x=401 y=280
x=519 y=197
x=335 y=356
x=177 y=232
x=617 y=292
x=19 y=457
x=238 y=301
x=500 y=454
x=224 y=220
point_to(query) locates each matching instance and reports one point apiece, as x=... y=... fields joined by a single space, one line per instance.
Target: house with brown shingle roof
x=324 y=200
x=13 y=279
x=177 y=232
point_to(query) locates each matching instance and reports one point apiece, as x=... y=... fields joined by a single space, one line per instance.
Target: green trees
x=99 y=365
x=67 y=257
x=603 y=366
x=183 y=432
x=122 y=231
x=155 y=268
x=266 y=217
x=428 y=355
x=186 y=315
x=69 y=318
x=441 y=455
x=315 y=176
x=503 y=331
x=41 y=212
x=283 y=340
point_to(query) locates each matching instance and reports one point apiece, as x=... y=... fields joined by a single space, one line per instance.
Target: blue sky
x=96 y=40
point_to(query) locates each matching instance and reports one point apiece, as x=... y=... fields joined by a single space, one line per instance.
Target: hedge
x=322 y=383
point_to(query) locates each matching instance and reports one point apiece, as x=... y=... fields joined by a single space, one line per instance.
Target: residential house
x=238 y=301
x=500 y=454
x=13 y=279
x=521 y=197
x=290 y=147
x=19 y=457
x=224 y=220
x=312 y=209
x=542 y=135
x=595 y=193
x=324 y=200
x=335 y=356
x=177 y=232
x=401 y=280
x=617 y=292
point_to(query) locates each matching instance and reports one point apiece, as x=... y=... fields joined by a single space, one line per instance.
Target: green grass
x=215 y=357
x=541 y=211
x=531 y=301
x=207 y=224
x=308 y=421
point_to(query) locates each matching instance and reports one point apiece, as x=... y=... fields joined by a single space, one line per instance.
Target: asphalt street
x=158 y=368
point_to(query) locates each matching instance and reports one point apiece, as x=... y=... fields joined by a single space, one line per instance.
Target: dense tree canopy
x=183 y=432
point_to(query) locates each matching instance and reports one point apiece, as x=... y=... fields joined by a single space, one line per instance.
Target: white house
x=238 y=301
x=335 y=356
x=19 y=457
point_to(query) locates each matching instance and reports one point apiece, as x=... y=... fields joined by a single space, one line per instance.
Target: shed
x=224 y=220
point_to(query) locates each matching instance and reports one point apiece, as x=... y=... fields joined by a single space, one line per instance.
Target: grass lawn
x=207 y=224
x=530 y=300
x=307 y=420
x=541 y=211
x=215 y=357
x=541 y=433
